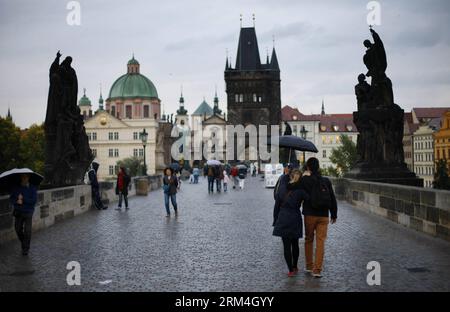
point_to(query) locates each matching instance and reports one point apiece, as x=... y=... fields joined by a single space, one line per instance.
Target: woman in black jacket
x=170 y=185
x=289 y=223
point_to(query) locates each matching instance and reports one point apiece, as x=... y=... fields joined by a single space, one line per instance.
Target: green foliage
x=9 y=145
x=441 y=178
x=345 y=156
x=21 y=148
x=330 y=172
x=32 y=145
x=134 y=165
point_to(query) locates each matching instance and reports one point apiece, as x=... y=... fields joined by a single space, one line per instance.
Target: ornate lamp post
x=303 y=133
x=144 y=137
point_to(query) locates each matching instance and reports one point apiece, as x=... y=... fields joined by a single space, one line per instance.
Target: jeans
x=125 y=198
x=23 y=224
x=225 y=186
x=173 y=199
x=210 y=184
x=96 y=197
x=195 y=178
x=318 y=227
x=218 y=184
x=291 y=252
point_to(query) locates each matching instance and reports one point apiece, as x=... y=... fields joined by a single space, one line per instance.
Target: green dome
x=133 y=61
x=133 y=85
x=84 y=101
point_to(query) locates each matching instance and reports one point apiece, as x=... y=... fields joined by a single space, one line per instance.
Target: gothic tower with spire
x=253 y=88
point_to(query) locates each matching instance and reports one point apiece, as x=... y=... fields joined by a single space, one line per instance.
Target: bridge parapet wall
x=424 y=210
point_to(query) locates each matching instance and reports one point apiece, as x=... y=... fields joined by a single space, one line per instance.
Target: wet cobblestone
x=219 y=242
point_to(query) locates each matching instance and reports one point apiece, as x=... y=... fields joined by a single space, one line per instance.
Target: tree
x=32 y=145
x=345 y=156
x=134 y=165
x=9 y=145
x=441 y=178
x=330 y=172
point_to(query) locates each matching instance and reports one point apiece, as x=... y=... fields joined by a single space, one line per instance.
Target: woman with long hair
x=288 y=221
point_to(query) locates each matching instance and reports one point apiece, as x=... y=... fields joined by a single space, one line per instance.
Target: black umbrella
x=11 y=178
x=296 y=143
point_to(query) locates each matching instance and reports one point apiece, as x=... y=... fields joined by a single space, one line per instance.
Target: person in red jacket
x=123 y=181
x=234 y=175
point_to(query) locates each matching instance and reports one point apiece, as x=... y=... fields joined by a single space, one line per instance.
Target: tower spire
x=100 y=100
x=253 y=20
x=323 y=108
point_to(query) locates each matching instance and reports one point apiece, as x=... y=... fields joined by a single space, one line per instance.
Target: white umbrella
x=213 y=162
x=12 y=177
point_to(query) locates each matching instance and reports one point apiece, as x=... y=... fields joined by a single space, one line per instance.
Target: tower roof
x=247 y=57
x=274 y=61
x=84 y=101
x=202 y=109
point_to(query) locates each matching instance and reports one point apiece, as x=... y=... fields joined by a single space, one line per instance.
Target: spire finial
x=323 y=108
x=181 y=89
x=240 y=19
x=273 y=41
x=253 y=19
x=215 y=87
x=100 y=89
x=84 y=91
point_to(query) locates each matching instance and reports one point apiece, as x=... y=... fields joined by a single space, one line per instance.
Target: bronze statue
x=67 y=152
x=380 y=123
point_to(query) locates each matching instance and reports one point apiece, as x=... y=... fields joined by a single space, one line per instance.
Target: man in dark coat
x=23 y=198
x=123 y=181
x=95 y=187
x=316 y=218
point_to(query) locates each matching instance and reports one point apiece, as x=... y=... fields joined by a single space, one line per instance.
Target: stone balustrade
x=56 y=205
x=424 y=210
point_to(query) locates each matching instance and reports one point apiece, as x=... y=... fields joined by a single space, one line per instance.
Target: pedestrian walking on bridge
x=170 y=186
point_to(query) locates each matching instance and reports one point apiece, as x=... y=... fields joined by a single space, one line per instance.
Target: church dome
x=84 y=101
x=132 y=84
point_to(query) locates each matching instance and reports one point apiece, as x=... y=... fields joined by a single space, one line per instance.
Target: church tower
x=182 y=116
x=253 y=88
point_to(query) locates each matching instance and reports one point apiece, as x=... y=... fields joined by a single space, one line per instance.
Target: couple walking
x=319 y=202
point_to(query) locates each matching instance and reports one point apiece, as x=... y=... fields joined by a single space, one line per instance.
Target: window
x=146 y=111
x=255 y=98
x=113 y=111
x=135 y=136
x=338 y=139
x=116 y=136
x=110 y=152
x=259 y=99
x=128 y=112
x=111 y=170
x=141 y=152
x=236 y=98
x=110 y=136
x=116 y=152
x=241 y=98
x=324 y=153
x=294 y=130
x=94 y=152
x=135 y=152
x=89 y=135
x=94 y=136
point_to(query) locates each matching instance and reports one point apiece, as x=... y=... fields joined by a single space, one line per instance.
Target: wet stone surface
x=219 y=242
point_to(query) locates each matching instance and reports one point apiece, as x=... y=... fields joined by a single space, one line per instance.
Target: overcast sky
x=318 y=43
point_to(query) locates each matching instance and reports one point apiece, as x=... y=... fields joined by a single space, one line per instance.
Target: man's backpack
x=320 y=194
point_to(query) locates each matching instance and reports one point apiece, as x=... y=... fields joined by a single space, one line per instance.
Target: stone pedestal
x=142 y=186
x=380 y=147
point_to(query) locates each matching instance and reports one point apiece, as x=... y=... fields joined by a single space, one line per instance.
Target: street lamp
x=303 y=133
x=144 y=137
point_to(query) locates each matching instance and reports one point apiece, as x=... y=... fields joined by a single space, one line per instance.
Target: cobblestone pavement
x=219 y=242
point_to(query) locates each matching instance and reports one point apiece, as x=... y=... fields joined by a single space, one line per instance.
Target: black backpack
x=320 y=194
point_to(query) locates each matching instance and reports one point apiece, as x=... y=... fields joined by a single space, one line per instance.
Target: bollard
x=142 y=186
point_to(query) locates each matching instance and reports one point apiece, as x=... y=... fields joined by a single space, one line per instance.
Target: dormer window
x=335 y=128
x=349 y=128
x=294 y=117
